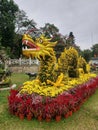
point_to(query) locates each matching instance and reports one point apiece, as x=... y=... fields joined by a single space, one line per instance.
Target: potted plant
x=39 y=112
x=49 y=111
x=58 y=112
x=29 y=115
x=21 y=110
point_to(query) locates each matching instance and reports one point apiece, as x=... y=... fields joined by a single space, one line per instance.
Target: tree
x=3 y=56
x=87 y=54
x=94 y=49
x=71 y=39
x=7 y=26
x=61 y=44
x=13 y=23
x=70 y=42
x=22 y=23
x=50 y=30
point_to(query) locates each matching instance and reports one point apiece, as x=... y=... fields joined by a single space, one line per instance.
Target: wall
x=24 y=69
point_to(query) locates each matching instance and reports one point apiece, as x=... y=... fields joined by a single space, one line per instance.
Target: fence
x=20 y=62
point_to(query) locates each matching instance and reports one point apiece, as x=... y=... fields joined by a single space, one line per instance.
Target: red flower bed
x=48 y=107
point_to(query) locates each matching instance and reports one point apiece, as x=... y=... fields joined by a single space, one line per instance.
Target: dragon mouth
x=29 y=45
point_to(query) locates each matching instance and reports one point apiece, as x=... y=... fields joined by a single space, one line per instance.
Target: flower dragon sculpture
x=59 y=88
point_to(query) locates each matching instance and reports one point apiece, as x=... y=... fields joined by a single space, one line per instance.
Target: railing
x=20 y=62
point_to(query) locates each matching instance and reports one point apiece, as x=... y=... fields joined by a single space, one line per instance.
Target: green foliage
x=1 y=69
x=7 y=80
x=59 y=47
x=7 y=26
x=22 y=23
x=94 y=49
x=13 y=21
x=3 y=57
x=50 y=30
x=87 y=54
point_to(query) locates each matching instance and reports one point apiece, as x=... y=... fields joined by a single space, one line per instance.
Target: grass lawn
x=84 y=119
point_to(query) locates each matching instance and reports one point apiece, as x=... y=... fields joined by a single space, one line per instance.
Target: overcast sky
x=77 y=16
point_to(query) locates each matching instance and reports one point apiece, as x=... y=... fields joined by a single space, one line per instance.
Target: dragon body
x=53 y=76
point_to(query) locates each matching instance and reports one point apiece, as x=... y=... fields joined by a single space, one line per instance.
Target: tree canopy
x=87 y=54
x=8 y=10
x=50 y=30
x=22 y=23
x=94 y=49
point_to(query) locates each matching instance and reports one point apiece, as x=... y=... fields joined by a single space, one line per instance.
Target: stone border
x=11 y=87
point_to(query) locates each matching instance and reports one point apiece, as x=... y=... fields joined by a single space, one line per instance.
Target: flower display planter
x=64 y=104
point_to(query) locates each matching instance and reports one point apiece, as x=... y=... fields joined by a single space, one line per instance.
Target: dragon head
x=38 y=48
